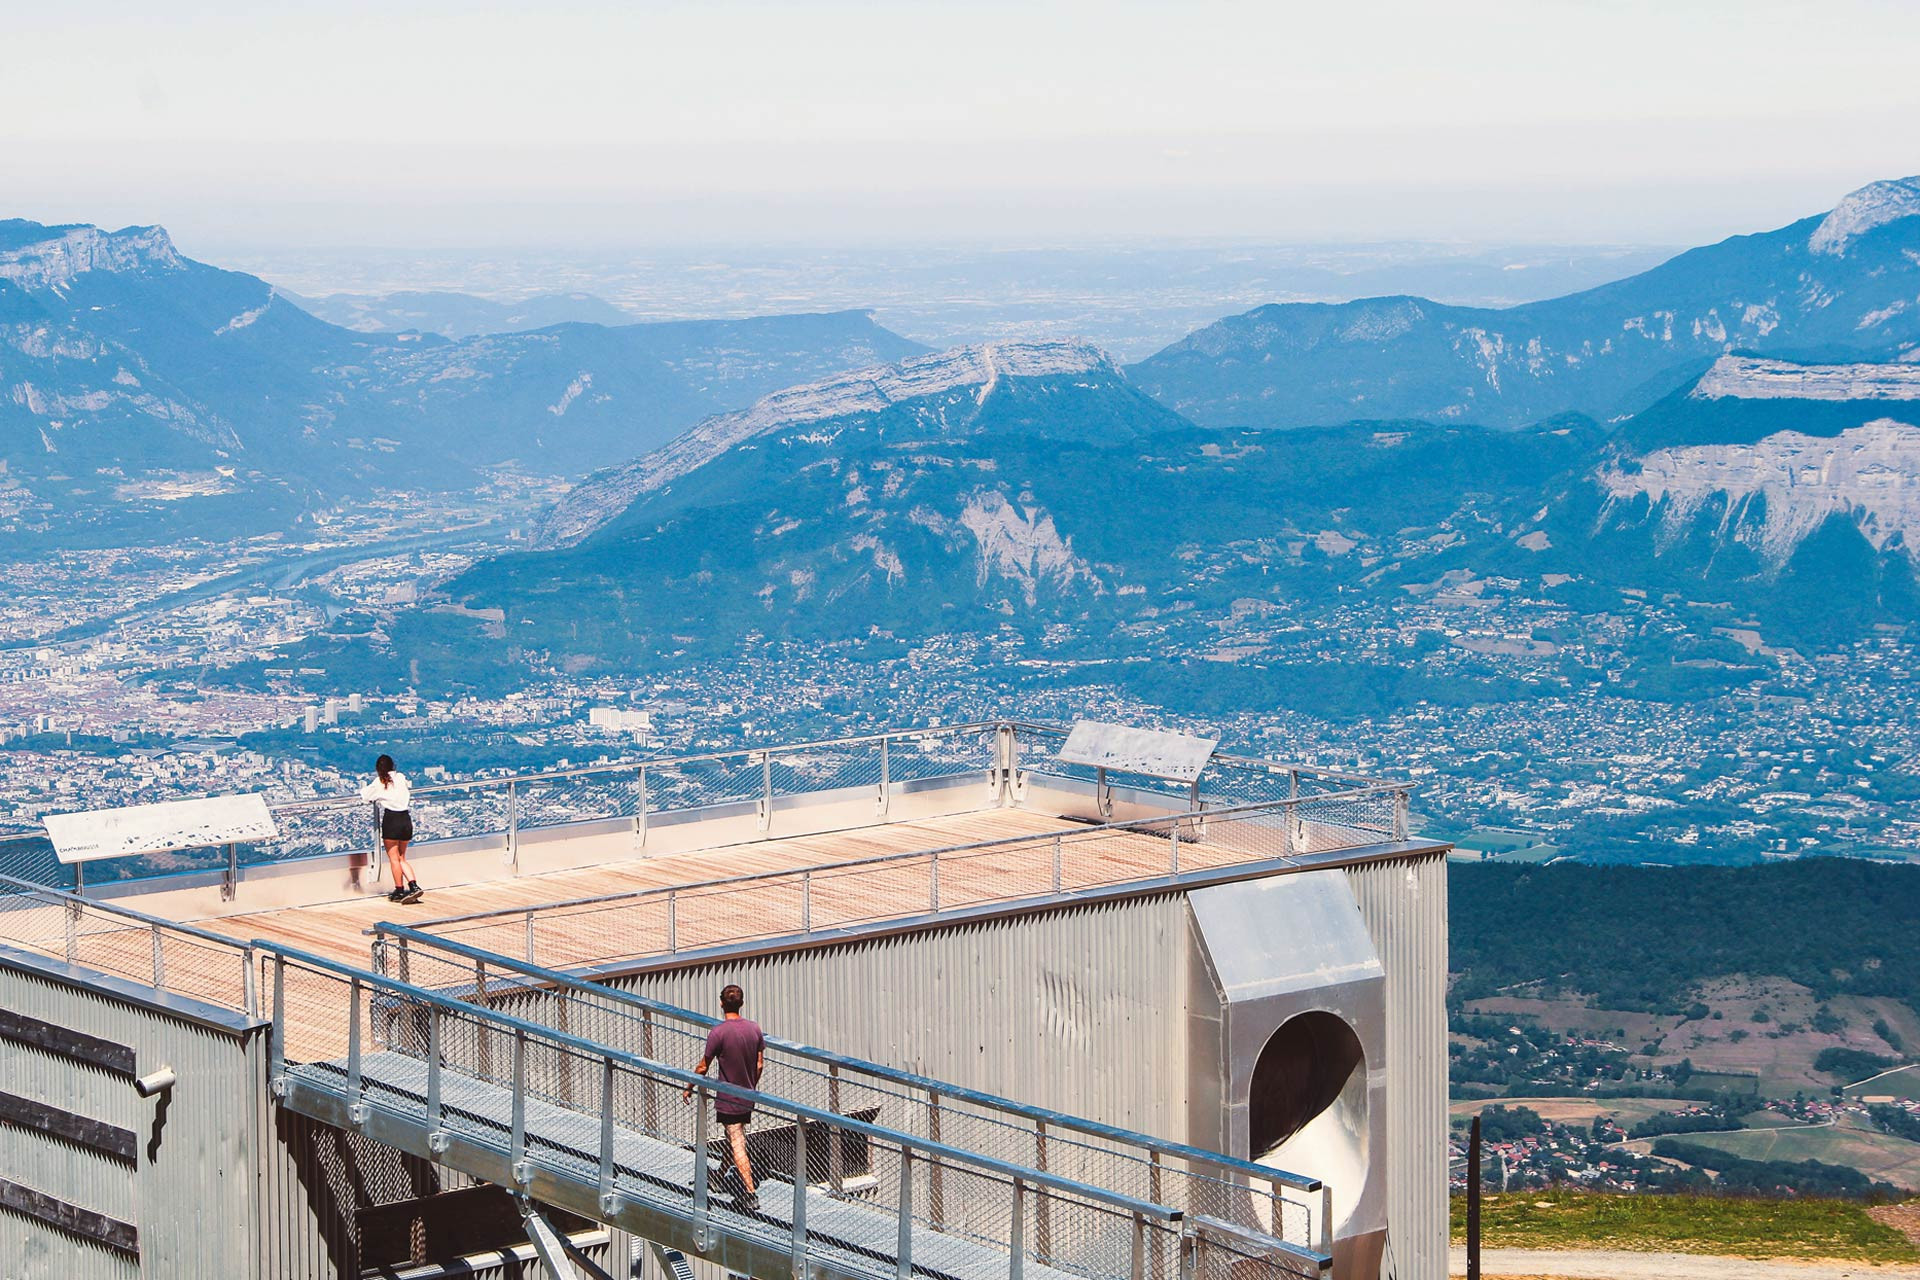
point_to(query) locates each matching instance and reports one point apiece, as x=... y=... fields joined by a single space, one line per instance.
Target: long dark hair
x=384 y=767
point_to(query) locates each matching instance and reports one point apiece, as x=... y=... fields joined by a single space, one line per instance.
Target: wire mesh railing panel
x=32 y=858
x=993 y=1128
x=704 y=783
x=498 y=1062
x=149 y=952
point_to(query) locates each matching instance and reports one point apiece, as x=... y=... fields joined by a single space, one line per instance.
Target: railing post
x=73 y=928
x=886 y=777
x=836 y=1150
x=1189 y=1251
x=806 y=900
x=1173 y=849
x=766 y=790
x=513 y=825
x=936 y=1200
x=700 y=1167
x=800 y=1181
x=1139 y=1246
x=1056 y=864
x=673 y=920
x=277 y=1052
x=353 y=1038
x=1326 y=1215
x=903 y=1246
x=1158 y=1260
x=436 y=1117
x=483 y=1057
x=606 y=1135
x=649 y=1088
x=250 y=982
x=1400 y=815
x=406 y=962
x=159 y=962
x=521 y=1174
x=1016 y=1238
x=529 y=935
x=1042 y=1212
x=933 y=881
x=229 y=883
x=640 y=815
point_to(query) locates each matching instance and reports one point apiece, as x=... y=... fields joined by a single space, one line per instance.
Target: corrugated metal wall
x=191 y=1190
x=1404 y=902
x=1080 y=1010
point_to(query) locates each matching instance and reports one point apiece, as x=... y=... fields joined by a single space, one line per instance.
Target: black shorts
x=396 y=824
x=726 y=1118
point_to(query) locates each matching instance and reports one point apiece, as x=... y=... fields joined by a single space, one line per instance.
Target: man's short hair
x=731 y=998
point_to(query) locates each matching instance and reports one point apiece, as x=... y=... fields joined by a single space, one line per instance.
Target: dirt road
x=1580 y=1264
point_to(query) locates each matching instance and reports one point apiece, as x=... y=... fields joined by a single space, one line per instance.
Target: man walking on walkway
x=741 y=1052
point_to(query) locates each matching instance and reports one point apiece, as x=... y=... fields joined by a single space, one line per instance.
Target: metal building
x=1087 y=1004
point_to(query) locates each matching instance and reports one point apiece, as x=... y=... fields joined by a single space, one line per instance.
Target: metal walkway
x=559 y=1109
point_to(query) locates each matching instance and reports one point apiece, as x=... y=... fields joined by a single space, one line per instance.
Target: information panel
x=1125 y=749
x=159 y=828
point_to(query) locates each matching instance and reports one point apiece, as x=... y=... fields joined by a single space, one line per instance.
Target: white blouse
x=394 y=794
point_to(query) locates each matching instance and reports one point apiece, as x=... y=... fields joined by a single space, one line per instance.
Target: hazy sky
x=643 y=123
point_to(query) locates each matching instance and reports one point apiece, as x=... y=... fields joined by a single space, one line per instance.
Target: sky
x=640 y=124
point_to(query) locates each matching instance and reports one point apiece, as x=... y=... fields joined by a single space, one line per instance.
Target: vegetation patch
x=1728 y=1226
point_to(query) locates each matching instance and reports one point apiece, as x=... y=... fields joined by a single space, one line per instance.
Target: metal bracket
x=438 y=1141
x=278 y=1087
x=523 y=1172
x=357 y=1114
x=230 y=878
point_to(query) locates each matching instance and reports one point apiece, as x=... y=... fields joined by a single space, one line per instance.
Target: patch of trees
x=1849 y=1065
x=1897 y=1121
x=1645 y=938
x=1671 y=1122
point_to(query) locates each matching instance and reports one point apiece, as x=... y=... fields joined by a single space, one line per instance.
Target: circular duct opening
x=1307 y=1105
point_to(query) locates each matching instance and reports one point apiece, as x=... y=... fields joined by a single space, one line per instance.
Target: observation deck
x=495 y=1029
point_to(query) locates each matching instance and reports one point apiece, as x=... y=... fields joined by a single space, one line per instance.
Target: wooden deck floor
x=337 y=929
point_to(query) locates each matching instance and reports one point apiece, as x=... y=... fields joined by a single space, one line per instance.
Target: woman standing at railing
x=389 y=791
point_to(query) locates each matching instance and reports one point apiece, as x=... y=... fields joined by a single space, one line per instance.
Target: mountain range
x=1034 y=485
x=1843 y=284
x=456 y=315
x=122 y=361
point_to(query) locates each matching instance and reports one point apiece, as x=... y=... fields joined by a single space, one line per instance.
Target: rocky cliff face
x=1775 y=493
x=50 y=257
x=1752 y=378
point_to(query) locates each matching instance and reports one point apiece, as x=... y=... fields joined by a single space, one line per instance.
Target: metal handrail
x=281 y=954
x=1053 y=1119
x=1078 y=832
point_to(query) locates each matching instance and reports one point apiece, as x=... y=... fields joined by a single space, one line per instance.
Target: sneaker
x=750 y=1202
x=412 y=895
x=398 y=895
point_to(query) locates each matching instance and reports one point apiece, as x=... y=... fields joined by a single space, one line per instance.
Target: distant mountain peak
x=38 y=257
x=966 y=373
x=1874 y=205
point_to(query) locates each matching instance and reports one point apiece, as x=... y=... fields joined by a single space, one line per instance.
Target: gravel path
x=1597 y=1264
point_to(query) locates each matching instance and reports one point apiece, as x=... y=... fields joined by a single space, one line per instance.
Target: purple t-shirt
x=735 y=1047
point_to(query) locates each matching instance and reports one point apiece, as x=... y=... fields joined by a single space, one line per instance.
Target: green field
x=1880 y=1156
x=1684 y=1224
x=1904 y=1083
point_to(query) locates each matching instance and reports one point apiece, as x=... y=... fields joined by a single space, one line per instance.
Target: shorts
x=727 y=1118
x=396 y=824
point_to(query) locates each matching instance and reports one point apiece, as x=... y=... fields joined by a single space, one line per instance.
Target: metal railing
x=586 y=1124
x=833 y=897
x=758 y=780
x=127 y=944
x=1291 y=1210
